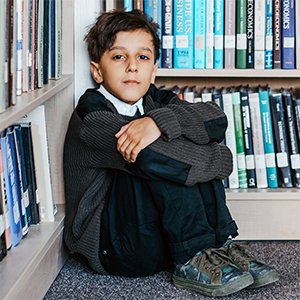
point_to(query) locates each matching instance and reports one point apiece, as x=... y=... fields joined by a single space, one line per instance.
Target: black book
x=167 y=34
x=292 y=136
x=46 y=42
x=277 y=35
x=3 y=249
x=250 y=34
x=280 y=139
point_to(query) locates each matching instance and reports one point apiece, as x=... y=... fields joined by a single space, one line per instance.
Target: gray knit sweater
x=190 y=135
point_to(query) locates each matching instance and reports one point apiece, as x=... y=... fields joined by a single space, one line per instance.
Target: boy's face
x=128 y=68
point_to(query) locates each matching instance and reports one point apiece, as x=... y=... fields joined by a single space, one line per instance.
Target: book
x=183 y=34
x=40 y=44
x=3 y=6
x=240 y=150
x=19 y=45
x=219 y=34
x=37 y=118
x=3 y=249
x=248 y=141
x=209 y=43
x=250 y=34
x=292 y=138
x=128 y=5
x=167 y=32
x=280 y=139
x=241 y=34
x=259 y=34
x=266 y=121
x=288 y=34
x=200 y=33
x=46 y=42
x=58 y=45
x=269 y=35
x=257 y=136
x=12 y=199
x=277 y=34
x=297 y=33
x=25 y=47
x=230 y=34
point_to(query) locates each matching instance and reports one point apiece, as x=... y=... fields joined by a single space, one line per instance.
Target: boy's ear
x=96 y=72
x=154 y=71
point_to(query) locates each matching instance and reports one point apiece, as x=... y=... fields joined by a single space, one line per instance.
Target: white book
x=230 y=34
x=233 y=178
x=41 y=160
x=209 y=45
x=19 y=45
x=258 y=142
x=259 y=34
x=25 y=48
x=297 y=27
x=40 y=42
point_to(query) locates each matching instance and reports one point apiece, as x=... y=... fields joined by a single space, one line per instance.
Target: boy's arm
x=201 y=122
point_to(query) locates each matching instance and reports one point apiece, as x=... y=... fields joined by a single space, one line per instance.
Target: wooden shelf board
x=22 y=262
x=28 y=101
x=228 y=73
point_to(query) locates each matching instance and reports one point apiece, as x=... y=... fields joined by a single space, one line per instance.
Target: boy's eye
x=118 y=57
x=144 y=57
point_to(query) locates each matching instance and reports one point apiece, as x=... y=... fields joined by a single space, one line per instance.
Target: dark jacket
x=188 y=151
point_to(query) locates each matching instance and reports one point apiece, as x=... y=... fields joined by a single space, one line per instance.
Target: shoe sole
x=268 y=278
x=214 y=290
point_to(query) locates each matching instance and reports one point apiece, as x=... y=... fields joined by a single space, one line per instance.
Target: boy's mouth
x=131 y=82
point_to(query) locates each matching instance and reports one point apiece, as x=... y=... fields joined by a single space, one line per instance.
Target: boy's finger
x=121 y=131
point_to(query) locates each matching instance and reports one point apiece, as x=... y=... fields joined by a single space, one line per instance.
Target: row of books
x=263 y=133
x=30 y=46
x=217 y=34
x=25 y=187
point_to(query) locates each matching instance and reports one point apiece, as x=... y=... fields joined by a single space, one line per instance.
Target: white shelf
x=29 y=269
x=228 y=73
x=28 y=101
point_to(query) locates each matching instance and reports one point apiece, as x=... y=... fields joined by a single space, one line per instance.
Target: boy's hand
x=135 y=136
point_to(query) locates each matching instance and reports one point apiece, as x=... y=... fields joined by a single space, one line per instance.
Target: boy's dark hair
x=102 y=35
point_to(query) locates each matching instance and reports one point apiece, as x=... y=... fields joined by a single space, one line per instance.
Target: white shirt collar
x=123 y=108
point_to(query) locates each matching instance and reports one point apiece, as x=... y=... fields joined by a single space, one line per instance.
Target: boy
x=143 y=171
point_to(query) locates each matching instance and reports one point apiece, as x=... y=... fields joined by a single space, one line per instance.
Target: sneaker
x=261 y=273
x=211 y=274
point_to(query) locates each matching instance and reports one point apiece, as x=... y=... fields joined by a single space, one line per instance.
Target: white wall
x=86 y=12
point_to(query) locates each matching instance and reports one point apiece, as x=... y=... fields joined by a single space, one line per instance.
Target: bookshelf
x=29 y=269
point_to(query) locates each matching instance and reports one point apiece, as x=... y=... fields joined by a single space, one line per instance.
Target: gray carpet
x=77 y=281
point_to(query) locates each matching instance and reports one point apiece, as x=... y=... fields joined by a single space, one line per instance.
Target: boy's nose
x=132 y=65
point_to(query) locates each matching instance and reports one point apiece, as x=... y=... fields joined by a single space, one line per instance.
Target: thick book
x=183 y=34
x=259 y=34
x=199 y=33
x=269 y=35
x=167 y=31
x=230 y=34
x=288 y=34
x=277 y=12
x=250 y=34
x=280 y=138
x=209 y=43
x=240 y=149
x=241 y=31
x=258 y=143
x=292 y=138
x=13 y=206
x=219 y=34
x=267 y=130
x=233 y=179
x=248 y=141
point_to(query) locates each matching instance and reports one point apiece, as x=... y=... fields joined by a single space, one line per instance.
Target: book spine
x=297 y=33
x=230 y=37
x=46 y=43
x=296 y=104
x=268 y=140
x=258 y=144
x=233 y=179
x=248 y=142
x=288 y=34
x=128 y=5
x=19 y=44
x=292 y=137
x=200 y=33
x=184 y=34
x=209 y=45
x=241 y=35
x=250 y=34
x=260 y=33
x=40 y=45
x=281 y=145
x=219 y=34
x=167 y=34
x=277 y=34
x=2 y=55
x=241 y=162
x=58 y=28
x=269 y=35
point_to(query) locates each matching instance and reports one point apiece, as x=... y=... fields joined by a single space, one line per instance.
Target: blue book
x=128 y=5
x=219 y=35
x=13 y=206
x=184 y=34
x=266 y=122
x=269 y=35
x=199 y=33
x=288 y=34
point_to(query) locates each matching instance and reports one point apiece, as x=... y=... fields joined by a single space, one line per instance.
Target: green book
x=241 y=37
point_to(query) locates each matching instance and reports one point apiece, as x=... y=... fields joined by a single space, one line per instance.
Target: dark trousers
x=150 y=225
